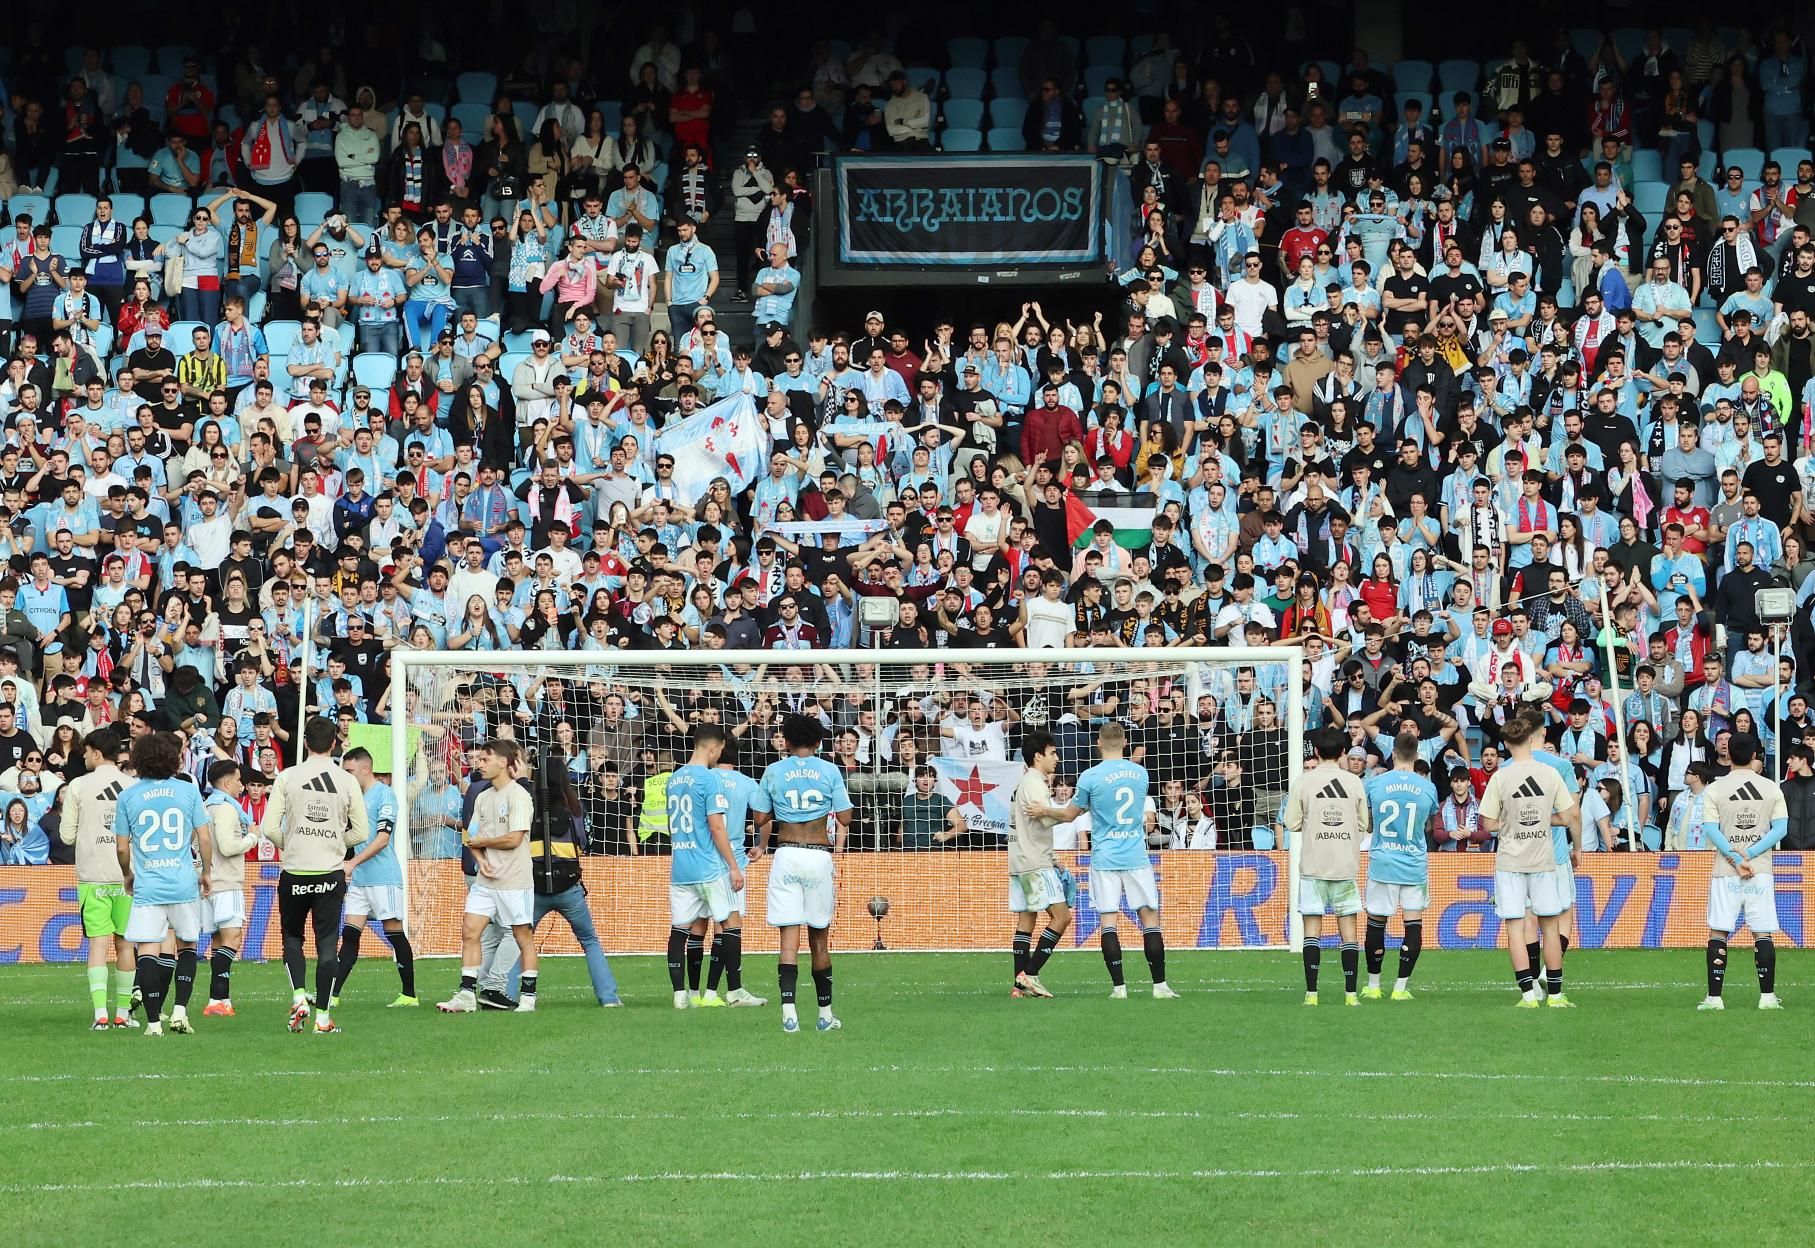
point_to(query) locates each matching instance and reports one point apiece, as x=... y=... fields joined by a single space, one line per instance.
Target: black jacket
x=1799 y=796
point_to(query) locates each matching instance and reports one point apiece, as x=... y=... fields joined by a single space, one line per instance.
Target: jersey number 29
x=160 y=831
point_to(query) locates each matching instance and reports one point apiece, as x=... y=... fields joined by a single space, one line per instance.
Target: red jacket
x=1045 y=431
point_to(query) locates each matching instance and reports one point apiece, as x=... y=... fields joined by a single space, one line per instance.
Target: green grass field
x=944 y=1113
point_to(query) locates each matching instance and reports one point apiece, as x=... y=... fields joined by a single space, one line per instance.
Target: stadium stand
x=1445 y=368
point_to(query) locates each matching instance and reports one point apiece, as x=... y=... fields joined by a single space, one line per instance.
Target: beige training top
x=1328 y=809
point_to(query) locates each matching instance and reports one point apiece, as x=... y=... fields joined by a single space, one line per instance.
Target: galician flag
x=726 y=439
x=982 y=789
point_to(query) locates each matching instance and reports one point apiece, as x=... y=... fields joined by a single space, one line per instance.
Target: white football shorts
x=223 y=909
x=1033 y=891
x=1384 y=899
x=1731 y=902
x=1321 y=897
x=1544 y=893
x=375 y=901
x=148 y=923
x=801 y=890
x=1109 y=889
x=509 y=907
x=711 y=899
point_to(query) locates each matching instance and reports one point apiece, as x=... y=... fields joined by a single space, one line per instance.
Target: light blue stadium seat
x=525 y=112
x=171 y=57
x=1106 y=50
x=518 y=344
x=128 y=207
x=1005 y=80
x=35 y=206
x=66 y=241
x=374 y=369
x=1651 y=199
x=75 y=208
x=1707 y=329
x=965 y=83
x=1458 y=75
x=964 y=114
x=168 y=208
x=1651 y=838
x=1647 y=165
x=313 y=205
x=157 y=86
x=1788 y=158
x=924 y=77
x=1750 y=160
x=1007 y=113
x=1096 y=75
x=1263 y=838
x=280 y=336
x=1141 y=45
x=476 y=87
x=961 y=139
x=180 y=337
x=131 y=61
x=1009 y=49
x=968 y=53
x=1629 y=41
x=1414 y=75
x=1004 y=139
x=1707 y=164
x=471 y=115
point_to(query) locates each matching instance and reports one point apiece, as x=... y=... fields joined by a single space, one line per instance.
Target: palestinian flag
x=1133 y=523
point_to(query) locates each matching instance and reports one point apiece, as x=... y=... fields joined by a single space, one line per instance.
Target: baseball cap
x=154 y=330
x=539 y=335
x=1498 y=314
x=1502 y=628
x=872 y=316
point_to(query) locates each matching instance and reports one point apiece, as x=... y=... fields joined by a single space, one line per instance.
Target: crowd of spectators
x=1487 y=383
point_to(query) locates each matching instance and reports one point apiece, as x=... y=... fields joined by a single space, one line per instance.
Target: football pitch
x=944 y=1112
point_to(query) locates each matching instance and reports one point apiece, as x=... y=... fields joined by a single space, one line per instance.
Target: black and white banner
x=955 y=211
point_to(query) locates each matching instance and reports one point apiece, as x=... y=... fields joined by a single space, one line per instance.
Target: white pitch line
x=896 y=1068
x=840 y=1115
x=899 y=1176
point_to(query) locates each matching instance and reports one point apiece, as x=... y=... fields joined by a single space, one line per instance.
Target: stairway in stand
x=736 y=321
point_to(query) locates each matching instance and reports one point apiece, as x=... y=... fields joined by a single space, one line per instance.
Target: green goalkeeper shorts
x=105 y=909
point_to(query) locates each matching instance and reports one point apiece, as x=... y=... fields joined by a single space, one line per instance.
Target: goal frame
x=404 y=660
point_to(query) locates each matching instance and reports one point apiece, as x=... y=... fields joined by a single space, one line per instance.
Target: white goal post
x=894 y=702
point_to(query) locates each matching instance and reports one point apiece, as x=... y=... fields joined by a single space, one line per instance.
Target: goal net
x=929 y=746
